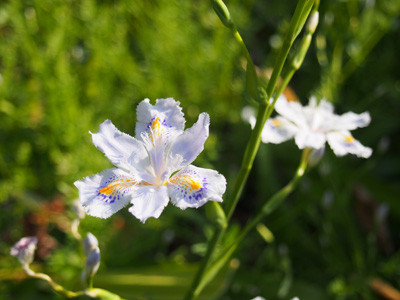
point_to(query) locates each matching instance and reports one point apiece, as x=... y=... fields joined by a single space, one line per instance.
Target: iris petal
x=351 y=121
x=149 y=202
x=165 y=118
x=121 y=149
x=104 y=194
x=342 y=142
x=278 y=130
x=193 y=187
x=191 y=143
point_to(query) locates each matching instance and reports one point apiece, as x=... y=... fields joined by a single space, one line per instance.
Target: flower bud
x=93 y=262
x=90 y=243
x=24 y=249
x=78 y=209
x=265 y=233
x=312 y=22
x=222 y=12
x=302 y=51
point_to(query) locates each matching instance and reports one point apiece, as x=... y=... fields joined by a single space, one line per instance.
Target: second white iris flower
x=312 y=126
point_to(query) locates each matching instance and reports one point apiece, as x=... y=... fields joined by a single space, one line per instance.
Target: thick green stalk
x=301 y=13
x=277 y=198
x=264 y=111
x=298 y=58
x=300 y=16
x=268 y=208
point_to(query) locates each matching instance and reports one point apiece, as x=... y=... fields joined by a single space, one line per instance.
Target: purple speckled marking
x=164 y=123
x=193 y=196
x=117 y=191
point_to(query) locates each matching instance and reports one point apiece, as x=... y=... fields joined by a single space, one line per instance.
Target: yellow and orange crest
x=187 y=181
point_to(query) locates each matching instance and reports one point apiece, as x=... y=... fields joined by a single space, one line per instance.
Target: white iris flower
x=153 y=167
x=312 y=126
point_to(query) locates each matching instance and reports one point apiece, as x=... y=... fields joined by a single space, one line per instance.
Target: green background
x=66 y=66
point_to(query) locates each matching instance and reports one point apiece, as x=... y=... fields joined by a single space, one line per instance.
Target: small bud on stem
x=24 y=250
x=223 y=13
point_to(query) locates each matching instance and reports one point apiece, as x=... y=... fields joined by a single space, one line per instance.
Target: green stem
x=55 y=286
x=278 y=197
x=194 y=289
x=298 y=58
x=90 y=282
x=239 y=39
x=264 y=111
x=300 y=15
x=267 y=209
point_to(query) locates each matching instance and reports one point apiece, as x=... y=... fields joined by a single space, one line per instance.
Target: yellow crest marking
x=117 y=184
x=188 y=181
x=276 y=122
x=349 y=139
x=156 y=123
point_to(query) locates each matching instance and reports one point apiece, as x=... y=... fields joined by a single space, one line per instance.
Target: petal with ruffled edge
x=162 y=120
x=350 y=121
x=292 y=111
x=323 y=105
x=104 y=194
x=149 y=202
x=190 y=143
x=121 y=149
x=193 y=187
x=309 y=139
x=342 y=142
x=157 y=126
x=278 y=130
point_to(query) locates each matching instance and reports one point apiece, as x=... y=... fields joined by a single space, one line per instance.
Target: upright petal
x=193 y=186
x=163 y=119
x=149 y=202
x=190 y=143
x=323 y=105
x=351 y=121
x=121 y=149
x=278 y=130
x=308 y=139
x=105 y=193
x=342 y=142
x=292 y=111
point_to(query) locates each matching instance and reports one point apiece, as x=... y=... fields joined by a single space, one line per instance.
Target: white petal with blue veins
x=190 y=143
x=166 y=117
x=121 y=149
x=342 y=142
x=104 y=194
x=193 y=187
x=149 y=201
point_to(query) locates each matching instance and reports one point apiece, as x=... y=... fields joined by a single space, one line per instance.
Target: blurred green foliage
x=66 y=66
